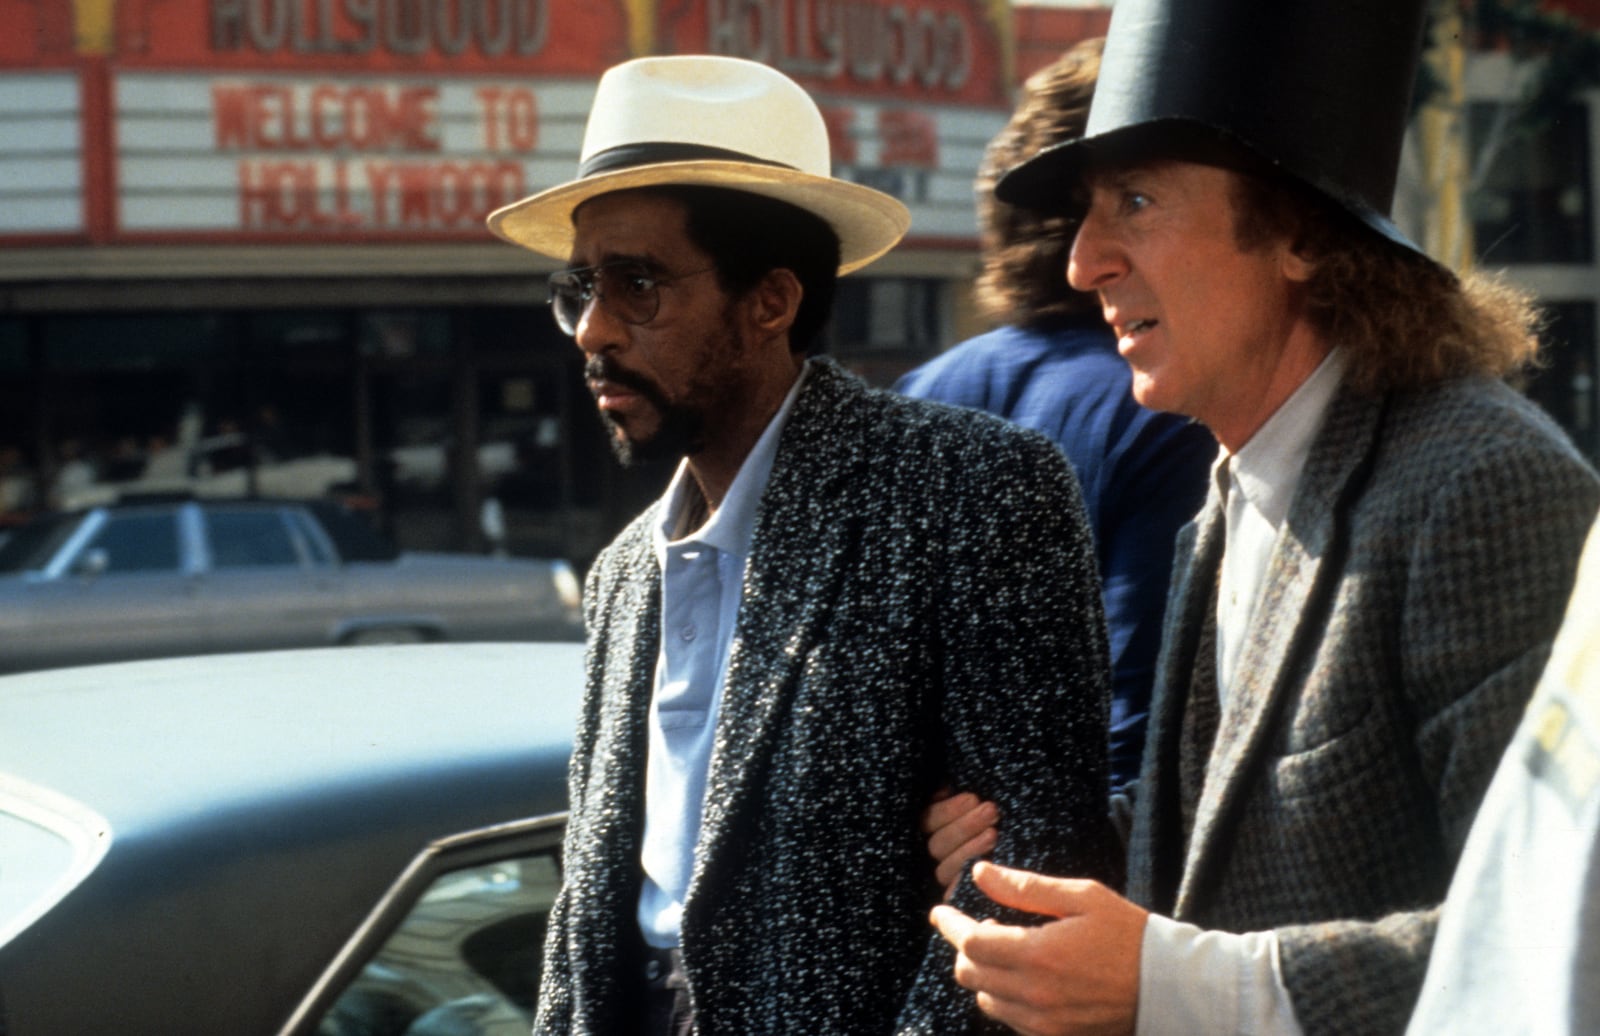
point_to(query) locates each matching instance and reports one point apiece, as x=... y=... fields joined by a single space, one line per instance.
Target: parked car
x=318 y=842
x=183 y=577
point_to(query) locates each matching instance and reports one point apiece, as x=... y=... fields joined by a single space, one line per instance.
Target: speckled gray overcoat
x=920 y=607
x=1408 y=609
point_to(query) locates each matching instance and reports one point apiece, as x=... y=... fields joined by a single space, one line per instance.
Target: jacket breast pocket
x=1363 y=750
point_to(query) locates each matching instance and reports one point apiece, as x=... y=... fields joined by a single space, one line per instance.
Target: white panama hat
x=717 y=122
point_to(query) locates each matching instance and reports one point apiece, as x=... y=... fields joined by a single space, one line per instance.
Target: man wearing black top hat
x=1364 y=604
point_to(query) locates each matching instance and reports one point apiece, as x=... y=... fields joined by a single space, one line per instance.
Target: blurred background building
x=242 y=249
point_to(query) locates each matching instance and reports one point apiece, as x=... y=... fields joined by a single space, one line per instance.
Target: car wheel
x=387 y=635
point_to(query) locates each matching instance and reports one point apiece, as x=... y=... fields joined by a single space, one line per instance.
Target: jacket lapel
x=626 y=708
x=799 y=554
x=1156 y=843
x=603 y=841
x=1287 y=619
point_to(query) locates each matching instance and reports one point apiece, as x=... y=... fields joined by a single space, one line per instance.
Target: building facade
x=242 y=244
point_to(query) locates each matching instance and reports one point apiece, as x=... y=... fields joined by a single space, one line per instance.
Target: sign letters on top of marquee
x=491 y=28
x=842 y=41
x=920 y=44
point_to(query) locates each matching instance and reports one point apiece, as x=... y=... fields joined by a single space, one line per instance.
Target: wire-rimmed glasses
x=630 y=289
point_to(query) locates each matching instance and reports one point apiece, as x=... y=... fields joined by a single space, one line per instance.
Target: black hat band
x=629 y=156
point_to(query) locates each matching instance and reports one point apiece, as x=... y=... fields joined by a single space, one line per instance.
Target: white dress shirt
x=702 y=576
x=1193 y=981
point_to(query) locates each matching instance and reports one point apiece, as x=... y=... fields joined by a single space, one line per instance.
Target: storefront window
x=456 y=427
x=883 y=327
x=1565 y=386
x=1534 y=204
x=104 y=343
x=299 y=332
x=404 y=334
x=18 y=426
x=13 y=346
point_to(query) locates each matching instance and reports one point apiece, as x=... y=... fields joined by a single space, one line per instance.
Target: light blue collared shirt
x=702 y=577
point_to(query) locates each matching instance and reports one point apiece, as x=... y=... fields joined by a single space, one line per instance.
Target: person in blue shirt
x=1053 y=366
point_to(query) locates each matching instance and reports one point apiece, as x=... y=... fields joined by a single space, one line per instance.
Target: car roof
x=258 y=805
x=147 y=743
x=355 y=538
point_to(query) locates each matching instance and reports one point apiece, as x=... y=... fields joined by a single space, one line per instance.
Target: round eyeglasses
x=630 y=289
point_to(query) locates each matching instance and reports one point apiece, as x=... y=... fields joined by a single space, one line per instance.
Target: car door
x=455 y=946
x=269 y=583
x=122 y=587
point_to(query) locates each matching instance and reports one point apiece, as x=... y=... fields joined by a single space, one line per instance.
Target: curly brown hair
x=1405 y=321
x=1024 y=276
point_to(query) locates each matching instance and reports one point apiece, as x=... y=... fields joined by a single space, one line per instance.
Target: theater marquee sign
x=354 y=120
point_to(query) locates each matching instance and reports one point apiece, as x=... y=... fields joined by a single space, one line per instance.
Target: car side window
x=457 y=948
x=138 y=543
x=34 y=544
x=245 y=539
x=311 y=538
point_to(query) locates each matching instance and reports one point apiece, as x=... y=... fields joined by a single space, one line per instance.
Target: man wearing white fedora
x=844 y=601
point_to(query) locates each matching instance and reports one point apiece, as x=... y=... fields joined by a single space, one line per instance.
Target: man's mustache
x=601 y=368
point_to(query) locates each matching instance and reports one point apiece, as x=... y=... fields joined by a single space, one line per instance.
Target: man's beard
x=678 y=428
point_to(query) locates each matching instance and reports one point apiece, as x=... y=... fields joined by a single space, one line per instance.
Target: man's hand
x=1078 y=974
x=959 y=827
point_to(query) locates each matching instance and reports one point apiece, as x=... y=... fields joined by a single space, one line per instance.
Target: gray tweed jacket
x=1407 y=613
x=920 y=607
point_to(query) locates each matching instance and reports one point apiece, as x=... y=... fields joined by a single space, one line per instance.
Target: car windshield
x=48 y=844
x=29 y=547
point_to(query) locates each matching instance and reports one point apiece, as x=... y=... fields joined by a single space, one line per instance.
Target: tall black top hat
x=1317 y=89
